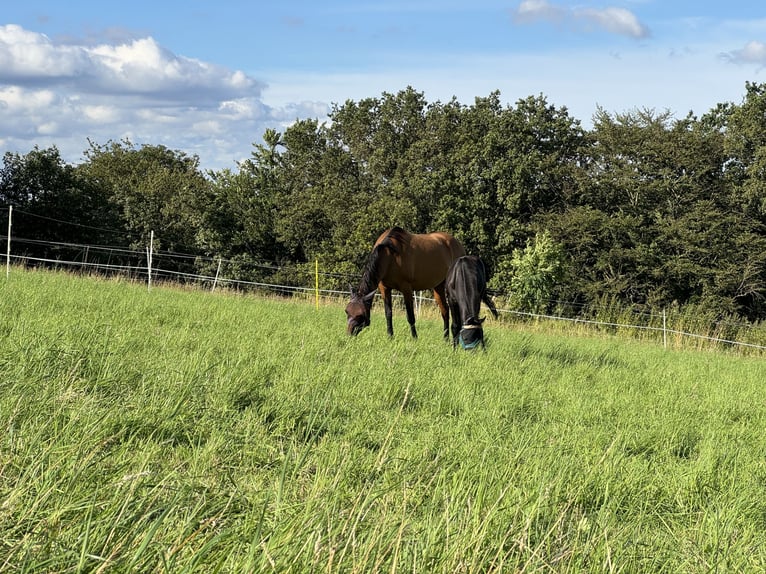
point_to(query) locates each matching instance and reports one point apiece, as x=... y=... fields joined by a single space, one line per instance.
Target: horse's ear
x=370 y=295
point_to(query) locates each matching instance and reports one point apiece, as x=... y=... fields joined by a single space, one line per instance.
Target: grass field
x=183 y=431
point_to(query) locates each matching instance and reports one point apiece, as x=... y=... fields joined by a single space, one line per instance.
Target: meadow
x=177 y=431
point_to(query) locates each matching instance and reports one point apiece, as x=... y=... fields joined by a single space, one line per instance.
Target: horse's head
x=358 y=312
x=471 y=334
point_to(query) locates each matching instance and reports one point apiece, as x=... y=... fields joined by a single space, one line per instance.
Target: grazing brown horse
x=406 y=262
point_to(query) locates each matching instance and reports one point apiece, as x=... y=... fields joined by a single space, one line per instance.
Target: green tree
x=60 y=205
x=153 y=188
x=468 y=189
x=382 y=136
x=645 y=164
x=745 y=145
x=238 y=227
x=649 y=176
x=240 y=217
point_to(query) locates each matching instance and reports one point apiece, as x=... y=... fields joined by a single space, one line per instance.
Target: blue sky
x=208 y=78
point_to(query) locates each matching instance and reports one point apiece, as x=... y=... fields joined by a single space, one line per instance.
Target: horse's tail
x=484 y=295
x=490 y=304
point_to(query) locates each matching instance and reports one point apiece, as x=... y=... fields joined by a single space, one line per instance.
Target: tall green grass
x=691 y=326
x=182 y=431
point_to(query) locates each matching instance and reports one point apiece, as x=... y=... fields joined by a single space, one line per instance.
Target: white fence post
x=217 y=273
x=8 y=250
x=418 y=303
x=664 y=329
x=149 y=252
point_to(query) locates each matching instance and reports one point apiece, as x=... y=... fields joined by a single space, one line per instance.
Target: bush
x=531 y=275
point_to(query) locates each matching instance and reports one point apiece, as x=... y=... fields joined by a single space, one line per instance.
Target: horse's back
x=423 y=259
x=432 y=257
x=449 y=244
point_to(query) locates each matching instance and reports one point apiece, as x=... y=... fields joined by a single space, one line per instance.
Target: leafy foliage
x=152 y=188
x=647 y=209
x=533 y=273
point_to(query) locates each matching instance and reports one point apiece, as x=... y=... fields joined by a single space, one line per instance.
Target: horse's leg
x=408 y=305
x=386 y=292
x=457 y=322
x=441 y=301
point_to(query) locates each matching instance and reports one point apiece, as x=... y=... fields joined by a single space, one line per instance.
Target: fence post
x=664 y=329
x=149 y=252
x=8 y=250
x=316 y=281
x=85 y=258
x=217 y=273
x=418 y=302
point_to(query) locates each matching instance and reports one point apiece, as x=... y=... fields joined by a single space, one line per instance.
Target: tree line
x=642 y=209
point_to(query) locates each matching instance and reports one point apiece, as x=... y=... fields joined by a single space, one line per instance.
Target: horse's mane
x=371 y=274
x=398 y=235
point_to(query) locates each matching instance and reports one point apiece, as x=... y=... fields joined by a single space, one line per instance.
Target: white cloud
x=208 y=126
x=613 y=20
x=65 y=94
x=17 y=100
x=25 y=54
x=240 y=109
x=138 y=66
x=101 y=113
x=48 y=128
x=156 y=116
x=143 y=66
x=531 y=10
x=753 y=53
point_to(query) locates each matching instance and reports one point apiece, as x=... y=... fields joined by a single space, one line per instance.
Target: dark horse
x=406 y=262
x=466 y=289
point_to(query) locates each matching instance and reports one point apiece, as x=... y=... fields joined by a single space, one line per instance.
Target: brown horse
x=406 y=262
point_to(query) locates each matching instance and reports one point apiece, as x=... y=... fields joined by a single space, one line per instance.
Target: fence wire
x=139 y=268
